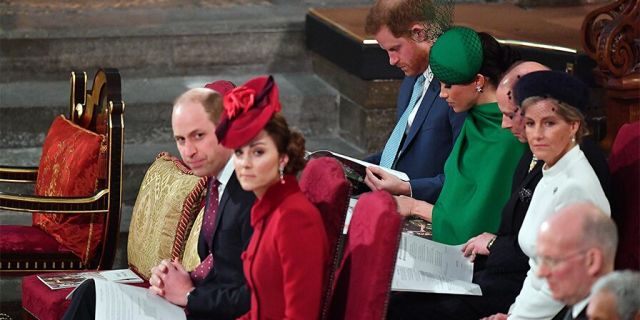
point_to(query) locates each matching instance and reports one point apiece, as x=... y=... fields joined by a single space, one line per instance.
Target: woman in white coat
x=552 y=102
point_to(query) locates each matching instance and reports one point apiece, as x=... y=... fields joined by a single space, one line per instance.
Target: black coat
x=223 y=294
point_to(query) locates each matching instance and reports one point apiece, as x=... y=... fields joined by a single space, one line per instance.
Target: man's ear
x=594 y=261
x=418 y=33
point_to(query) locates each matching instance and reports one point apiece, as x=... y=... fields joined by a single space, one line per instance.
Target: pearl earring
x=479 y=89
x=282 y=175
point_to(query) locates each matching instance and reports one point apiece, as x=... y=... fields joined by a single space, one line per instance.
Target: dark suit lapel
x=231 y=187
x=425 y=107
x=535 y=172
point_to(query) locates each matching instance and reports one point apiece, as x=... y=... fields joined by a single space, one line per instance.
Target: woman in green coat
x=479 y=170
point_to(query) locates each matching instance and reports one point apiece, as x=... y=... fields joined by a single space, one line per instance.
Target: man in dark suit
x=576 y=247
x=217 y=287
x=426 y=128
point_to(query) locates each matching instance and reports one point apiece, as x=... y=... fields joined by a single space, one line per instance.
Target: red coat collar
x=274 y=196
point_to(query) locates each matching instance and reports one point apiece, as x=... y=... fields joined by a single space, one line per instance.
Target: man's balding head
x=193 y=120
x=575 y=247
x=512 y=118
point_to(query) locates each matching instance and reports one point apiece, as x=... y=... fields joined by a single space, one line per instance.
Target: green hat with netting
x=456 y=57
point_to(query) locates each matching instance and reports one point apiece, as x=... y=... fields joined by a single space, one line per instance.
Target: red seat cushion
x=42 y=302
x=27 y=240
x=70 y=166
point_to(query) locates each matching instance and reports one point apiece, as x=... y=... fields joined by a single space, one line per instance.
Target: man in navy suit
x=427 y=128
x=217 y=287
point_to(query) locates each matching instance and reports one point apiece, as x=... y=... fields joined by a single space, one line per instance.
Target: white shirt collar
x=225 y=174
x=428 y=76
x=223 y=177
x=578 y=307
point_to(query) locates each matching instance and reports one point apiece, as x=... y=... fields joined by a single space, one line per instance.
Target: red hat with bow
x=247 y=109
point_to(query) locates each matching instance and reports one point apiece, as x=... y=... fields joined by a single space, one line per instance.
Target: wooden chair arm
x=18 y=174
x=98 y=203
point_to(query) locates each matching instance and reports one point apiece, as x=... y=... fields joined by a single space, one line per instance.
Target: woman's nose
x=538 y=132
x=245 y=161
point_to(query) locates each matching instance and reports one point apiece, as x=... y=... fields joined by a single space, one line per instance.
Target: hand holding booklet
x=118 y=300
x=423 y=265
x=355 y=169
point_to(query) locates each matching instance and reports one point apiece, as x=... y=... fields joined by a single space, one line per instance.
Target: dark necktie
x=208 y=224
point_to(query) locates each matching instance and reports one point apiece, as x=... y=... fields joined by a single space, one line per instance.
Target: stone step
x=155 y=41
x=28 y=107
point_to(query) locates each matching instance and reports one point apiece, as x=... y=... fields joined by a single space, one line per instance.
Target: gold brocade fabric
x=191 y=259
x=156 y=213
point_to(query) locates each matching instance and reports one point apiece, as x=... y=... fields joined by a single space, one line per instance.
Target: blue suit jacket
x=429 y=141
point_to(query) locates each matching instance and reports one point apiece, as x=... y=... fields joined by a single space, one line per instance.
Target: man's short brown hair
x=397 y=15
x=210 y=100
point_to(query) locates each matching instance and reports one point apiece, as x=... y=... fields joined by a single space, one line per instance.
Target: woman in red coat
x=288 y=251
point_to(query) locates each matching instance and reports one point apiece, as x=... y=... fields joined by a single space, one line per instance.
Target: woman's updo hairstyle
x=497 y=58
x=287 y=141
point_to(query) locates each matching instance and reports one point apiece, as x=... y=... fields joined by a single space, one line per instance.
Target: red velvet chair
x=78 y=187
x=363 y=281
x=324 y=183
x=169 y=200
x=624 y=164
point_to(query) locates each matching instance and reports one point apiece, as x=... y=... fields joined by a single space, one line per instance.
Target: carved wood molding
x=611 y=36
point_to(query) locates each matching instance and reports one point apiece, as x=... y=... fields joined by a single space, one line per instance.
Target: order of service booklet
x=71 y=280
x=355 y=169
x=125 y=302
x=423 y=265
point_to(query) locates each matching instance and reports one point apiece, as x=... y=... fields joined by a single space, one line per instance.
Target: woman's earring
x=282 y=175
x=478 y=89
x=573 y=139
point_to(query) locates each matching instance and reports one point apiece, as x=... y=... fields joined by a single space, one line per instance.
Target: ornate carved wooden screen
x=611 y=36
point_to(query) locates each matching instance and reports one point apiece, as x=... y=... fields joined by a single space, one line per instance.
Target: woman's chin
x=246 y=186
